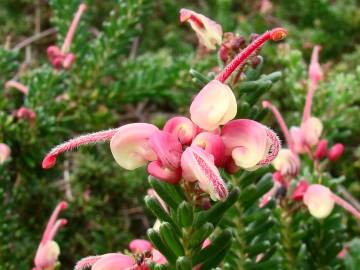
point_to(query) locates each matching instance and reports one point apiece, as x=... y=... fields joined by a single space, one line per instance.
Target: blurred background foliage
x=133 y=62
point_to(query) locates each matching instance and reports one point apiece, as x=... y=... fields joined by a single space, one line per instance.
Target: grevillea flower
x=320 y=202
x=168 y=150
x=48 y=251
x=208 y=32
x=5 y=152
x=140 y=245
x=287 y=161
x=61 y=58
x=198 y=165
x=142 y=251
x=213 y=106
x=311 y=127
x=14 y=84
x=183 y=128
x=249 y=143
x=213 y=144
x=335 y=152
x=25 y=113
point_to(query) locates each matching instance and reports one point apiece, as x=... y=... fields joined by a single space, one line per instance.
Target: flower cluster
x=193 y=149
x=62 y=58
x=306 y=140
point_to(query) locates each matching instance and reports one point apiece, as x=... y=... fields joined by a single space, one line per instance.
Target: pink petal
x=248 y=143
x=312 y=129
x=170 y=175
x=167 y=148
x=199 y=165
x=212 y=144
x=208 y=32
x=47 y=255
x=140 y=246
x=298 y=138
x=287 y=163
x=300 y=189
x=213 y=106
x=183 y=128
x=130 y=145
x=319 y=201
x=114 y=261
x=157 y=257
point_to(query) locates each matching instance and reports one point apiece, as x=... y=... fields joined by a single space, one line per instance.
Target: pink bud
x=199 y=165
x=157 y=257
x=230 y=166
x=25 y=113
x=208 y=32
x=298 y=137
x=335 y=152
x=206 y=243
x=213 y=106
x=57 y=62
x=140 y=246
x=5 y=152
x=300 y=190
x=212 y=144
x=52 y=52
x=224 y=54
x=321 y=149
x=183 y=128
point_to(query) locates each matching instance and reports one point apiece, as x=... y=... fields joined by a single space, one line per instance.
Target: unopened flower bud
x=321 y=149
x=335 y=152
x=4 y=152
x=300 y=190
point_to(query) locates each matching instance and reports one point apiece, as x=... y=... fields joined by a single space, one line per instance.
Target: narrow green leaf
x=155 y=239
x=170 y=239
x=183 y=263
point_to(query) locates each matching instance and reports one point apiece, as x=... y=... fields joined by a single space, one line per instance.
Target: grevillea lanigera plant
x=202 y=166
x=184 y=160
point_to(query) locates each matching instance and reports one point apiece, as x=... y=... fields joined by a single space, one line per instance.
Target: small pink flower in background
x=208 y=32
x=198 y=165
x=320 y=202
x=213 y=144
x=183 y=128
x=213 y=106
x=142 y=253
x=25 y=113
x=5 y=152
x=140 y=245
x=48 y=251
x=14 y=84
x=62 y=58
x=279 y=182
x=249 y=143
x=315 y=71
x=335 y=152
x=321 y=149
x=287 y=163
